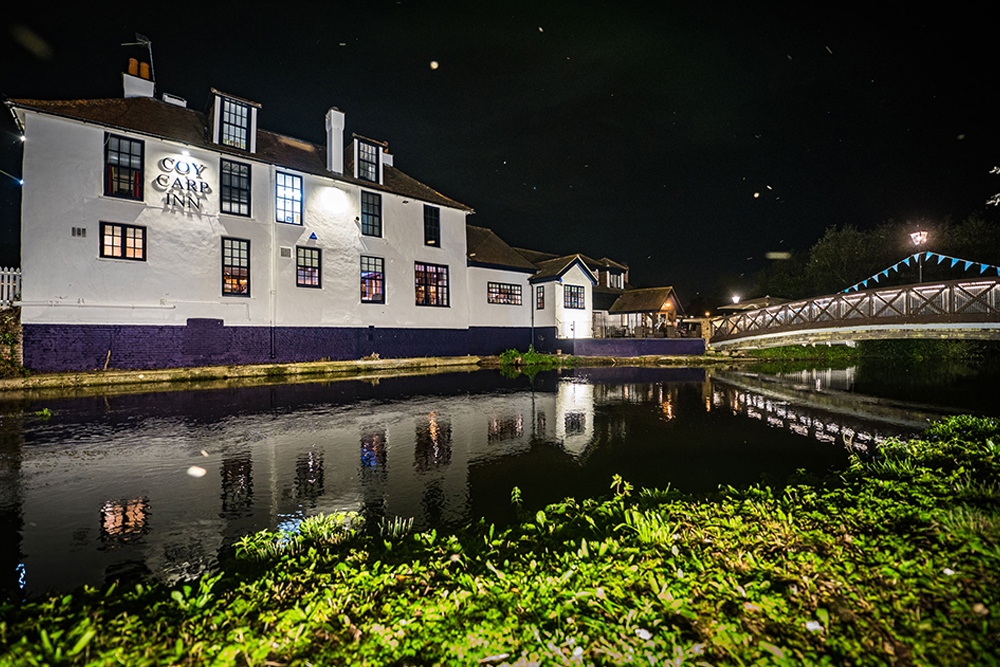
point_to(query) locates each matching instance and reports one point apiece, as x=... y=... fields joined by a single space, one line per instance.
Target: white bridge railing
x=10 y=286
x=945 y=303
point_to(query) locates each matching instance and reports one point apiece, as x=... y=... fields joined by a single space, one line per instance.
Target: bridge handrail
x=956 y=300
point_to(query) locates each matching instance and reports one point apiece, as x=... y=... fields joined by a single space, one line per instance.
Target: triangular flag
x=928 y=255
x=982 y=268
x=967 y=265
x=941 y=258
x=906 y=261
x=875 y=277
x=886 y=272
x=865 y=283
x=953 y=263
x=895 y=267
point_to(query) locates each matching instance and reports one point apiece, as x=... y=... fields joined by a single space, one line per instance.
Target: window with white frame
x=308 y=267
x=430 y=284
x=507 y=294
x=573 y=297
x=234 y=128
x=540 y=297
x=371 y=213
x=288 y=198
x=372 y=279
x=119 y=241
x=234 y=187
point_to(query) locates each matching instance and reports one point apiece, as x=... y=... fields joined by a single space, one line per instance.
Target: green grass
x=894 y=562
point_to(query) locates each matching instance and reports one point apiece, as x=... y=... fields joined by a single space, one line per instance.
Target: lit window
x=307 y=267
x=123 y=241
x=540 y=297
x=368 y=161
x=235 y=127
x=432 y=225
x=235 y=267
x=123 y=160
x=372 y=280
x=234 y=188
x=573 y=297
x=371 y=214
x=288 y=198
x=503 y=293
x=431 y=284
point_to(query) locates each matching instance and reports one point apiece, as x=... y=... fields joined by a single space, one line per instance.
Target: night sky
x=685 y=139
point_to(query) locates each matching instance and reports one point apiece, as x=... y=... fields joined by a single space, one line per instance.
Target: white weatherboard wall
x=574 y=322
x=69 y=283
x=482 y=313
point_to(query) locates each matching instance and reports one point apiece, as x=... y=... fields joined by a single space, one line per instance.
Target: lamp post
x=919 y=238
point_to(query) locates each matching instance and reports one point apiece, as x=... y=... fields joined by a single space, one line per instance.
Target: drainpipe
x=271 y=304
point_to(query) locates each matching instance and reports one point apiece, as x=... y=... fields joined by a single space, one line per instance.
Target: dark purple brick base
x=634 y=347
x=206 y=342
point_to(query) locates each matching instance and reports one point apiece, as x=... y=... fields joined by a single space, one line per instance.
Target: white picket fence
x=10 y=286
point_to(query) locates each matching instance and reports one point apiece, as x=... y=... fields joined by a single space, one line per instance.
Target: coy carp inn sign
x=182 y=183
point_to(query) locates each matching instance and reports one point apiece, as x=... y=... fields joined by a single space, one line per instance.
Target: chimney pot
x=133 y=66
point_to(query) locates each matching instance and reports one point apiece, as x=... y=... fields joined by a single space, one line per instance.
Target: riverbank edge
x=313 y=369
x=892 y=562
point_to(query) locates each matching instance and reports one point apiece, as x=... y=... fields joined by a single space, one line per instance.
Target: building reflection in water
x=432 y=448
x=468 y=449
x=309 y=476
x=124 y=521
x=237 y=485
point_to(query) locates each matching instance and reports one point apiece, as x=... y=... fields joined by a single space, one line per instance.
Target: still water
x=158 y=484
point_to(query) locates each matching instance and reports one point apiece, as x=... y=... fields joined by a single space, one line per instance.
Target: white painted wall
x=67 y=282
x=573 y=322
x=482 y=313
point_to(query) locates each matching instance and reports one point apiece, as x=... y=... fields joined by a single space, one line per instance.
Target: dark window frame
x=228 y=190
x=574 y=297
x=297 y=185
x=369 y=163
x=435 y=294
x=371 y=214
x=372 y=279
x=302 y=267
x=244 y=244
x=122 y=247
x=116 y=175
x=232 y=133
x=540 y=297
x=503 y=294
x=432 y=226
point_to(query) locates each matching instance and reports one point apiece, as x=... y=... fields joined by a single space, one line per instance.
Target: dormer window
x=235 y=124
x=368 y=161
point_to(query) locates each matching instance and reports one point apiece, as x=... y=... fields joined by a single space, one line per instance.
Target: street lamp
x=919 y=238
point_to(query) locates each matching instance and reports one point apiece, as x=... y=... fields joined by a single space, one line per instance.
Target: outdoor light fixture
x=919 y=238
x=736 y=298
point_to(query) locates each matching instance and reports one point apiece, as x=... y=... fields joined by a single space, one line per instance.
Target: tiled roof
x=554 y=268
x=536 y=256
x=159 y=119
x=648 y=300
x=485 y=248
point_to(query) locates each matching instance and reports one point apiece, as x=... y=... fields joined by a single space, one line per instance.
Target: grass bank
x=895 y=561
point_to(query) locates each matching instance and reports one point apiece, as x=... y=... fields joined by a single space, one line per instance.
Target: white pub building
x=157 y=236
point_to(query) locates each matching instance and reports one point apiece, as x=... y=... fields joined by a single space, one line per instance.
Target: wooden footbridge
x=959 y=309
